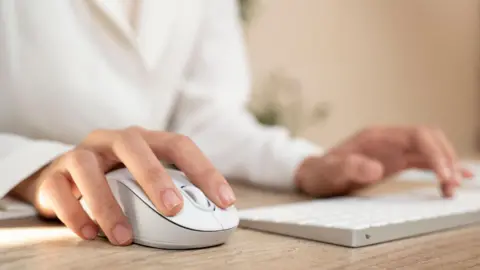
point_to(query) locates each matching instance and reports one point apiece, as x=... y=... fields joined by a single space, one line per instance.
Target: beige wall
x=376 y=62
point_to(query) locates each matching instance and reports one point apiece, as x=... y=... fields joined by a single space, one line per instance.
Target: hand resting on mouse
x=56 y=189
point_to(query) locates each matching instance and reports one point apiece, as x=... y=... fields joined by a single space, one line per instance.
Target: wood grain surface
x=33 y=244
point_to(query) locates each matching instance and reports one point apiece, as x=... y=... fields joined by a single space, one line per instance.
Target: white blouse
x=69 y=67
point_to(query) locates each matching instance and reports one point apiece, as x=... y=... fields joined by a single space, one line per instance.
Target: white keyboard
x=357 y=221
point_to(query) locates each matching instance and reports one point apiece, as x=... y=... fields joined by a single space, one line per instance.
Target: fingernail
x=170 y=199
x=226 y=194
x=121 y=234
x=89 y=232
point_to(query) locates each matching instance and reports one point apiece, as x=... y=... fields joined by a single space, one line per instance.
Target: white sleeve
x=211 y=109
x=20 y=157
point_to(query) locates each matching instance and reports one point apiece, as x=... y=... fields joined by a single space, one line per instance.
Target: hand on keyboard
x=377 y=153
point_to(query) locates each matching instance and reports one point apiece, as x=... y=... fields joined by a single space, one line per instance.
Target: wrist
x=300 y=156
x=28 y=191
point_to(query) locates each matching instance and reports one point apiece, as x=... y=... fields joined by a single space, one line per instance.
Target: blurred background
x=326 y=69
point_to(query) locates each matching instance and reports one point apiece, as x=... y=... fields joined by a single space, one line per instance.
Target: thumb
x=360 y=169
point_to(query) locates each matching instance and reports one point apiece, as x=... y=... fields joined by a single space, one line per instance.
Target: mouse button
x=198 y=197
x=121 y=173
x=178 y=178
x=227 y=217
x=115 y=181
x=194 y=218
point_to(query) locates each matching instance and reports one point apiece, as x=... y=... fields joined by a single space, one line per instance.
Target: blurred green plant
x=278 y=100
x=246 y=9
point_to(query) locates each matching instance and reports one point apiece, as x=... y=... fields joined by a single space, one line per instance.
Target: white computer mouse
x=200 y=223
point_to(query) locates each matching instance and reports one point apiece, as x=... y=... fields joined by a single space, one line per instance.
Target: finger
x=338 y=175
x=425 y=144
x=447 y=189
x=450 y=154
x=361 y=169
x=322 y=176
x=57 y=189
x=417 y=161
x=181 y=151
x=138 y=157
x=466 y=173
x=90 y=180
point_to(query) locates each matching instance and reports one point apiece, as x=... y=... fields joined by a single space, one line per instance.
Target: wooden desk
x=31 y=244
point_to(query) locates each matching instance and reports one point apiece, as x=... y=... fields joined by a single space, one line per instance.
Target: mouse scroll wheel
x=197 y=196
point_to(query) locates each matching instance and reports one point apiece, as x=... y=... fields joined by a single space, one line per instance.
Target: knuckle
x=179 y=143
x=352 y=159
x=437 y=130
x=351 y=162
x=107 y=210
x=135 y=129
x=74 y=216
x=182 y=140
x=154 y=173
x=123 y=137
x=209 y=173
x=48 y=187
x=92 y=136
x=421 y=132
x=371 y=134
x=127 y=135
x=80 y=158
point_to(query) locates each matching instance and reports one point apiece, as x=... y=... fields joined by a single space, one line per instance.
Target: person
x=91 y=86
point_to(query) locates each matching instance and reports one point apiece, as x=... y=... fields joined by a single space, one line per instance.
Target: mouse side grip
x=152 y=229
